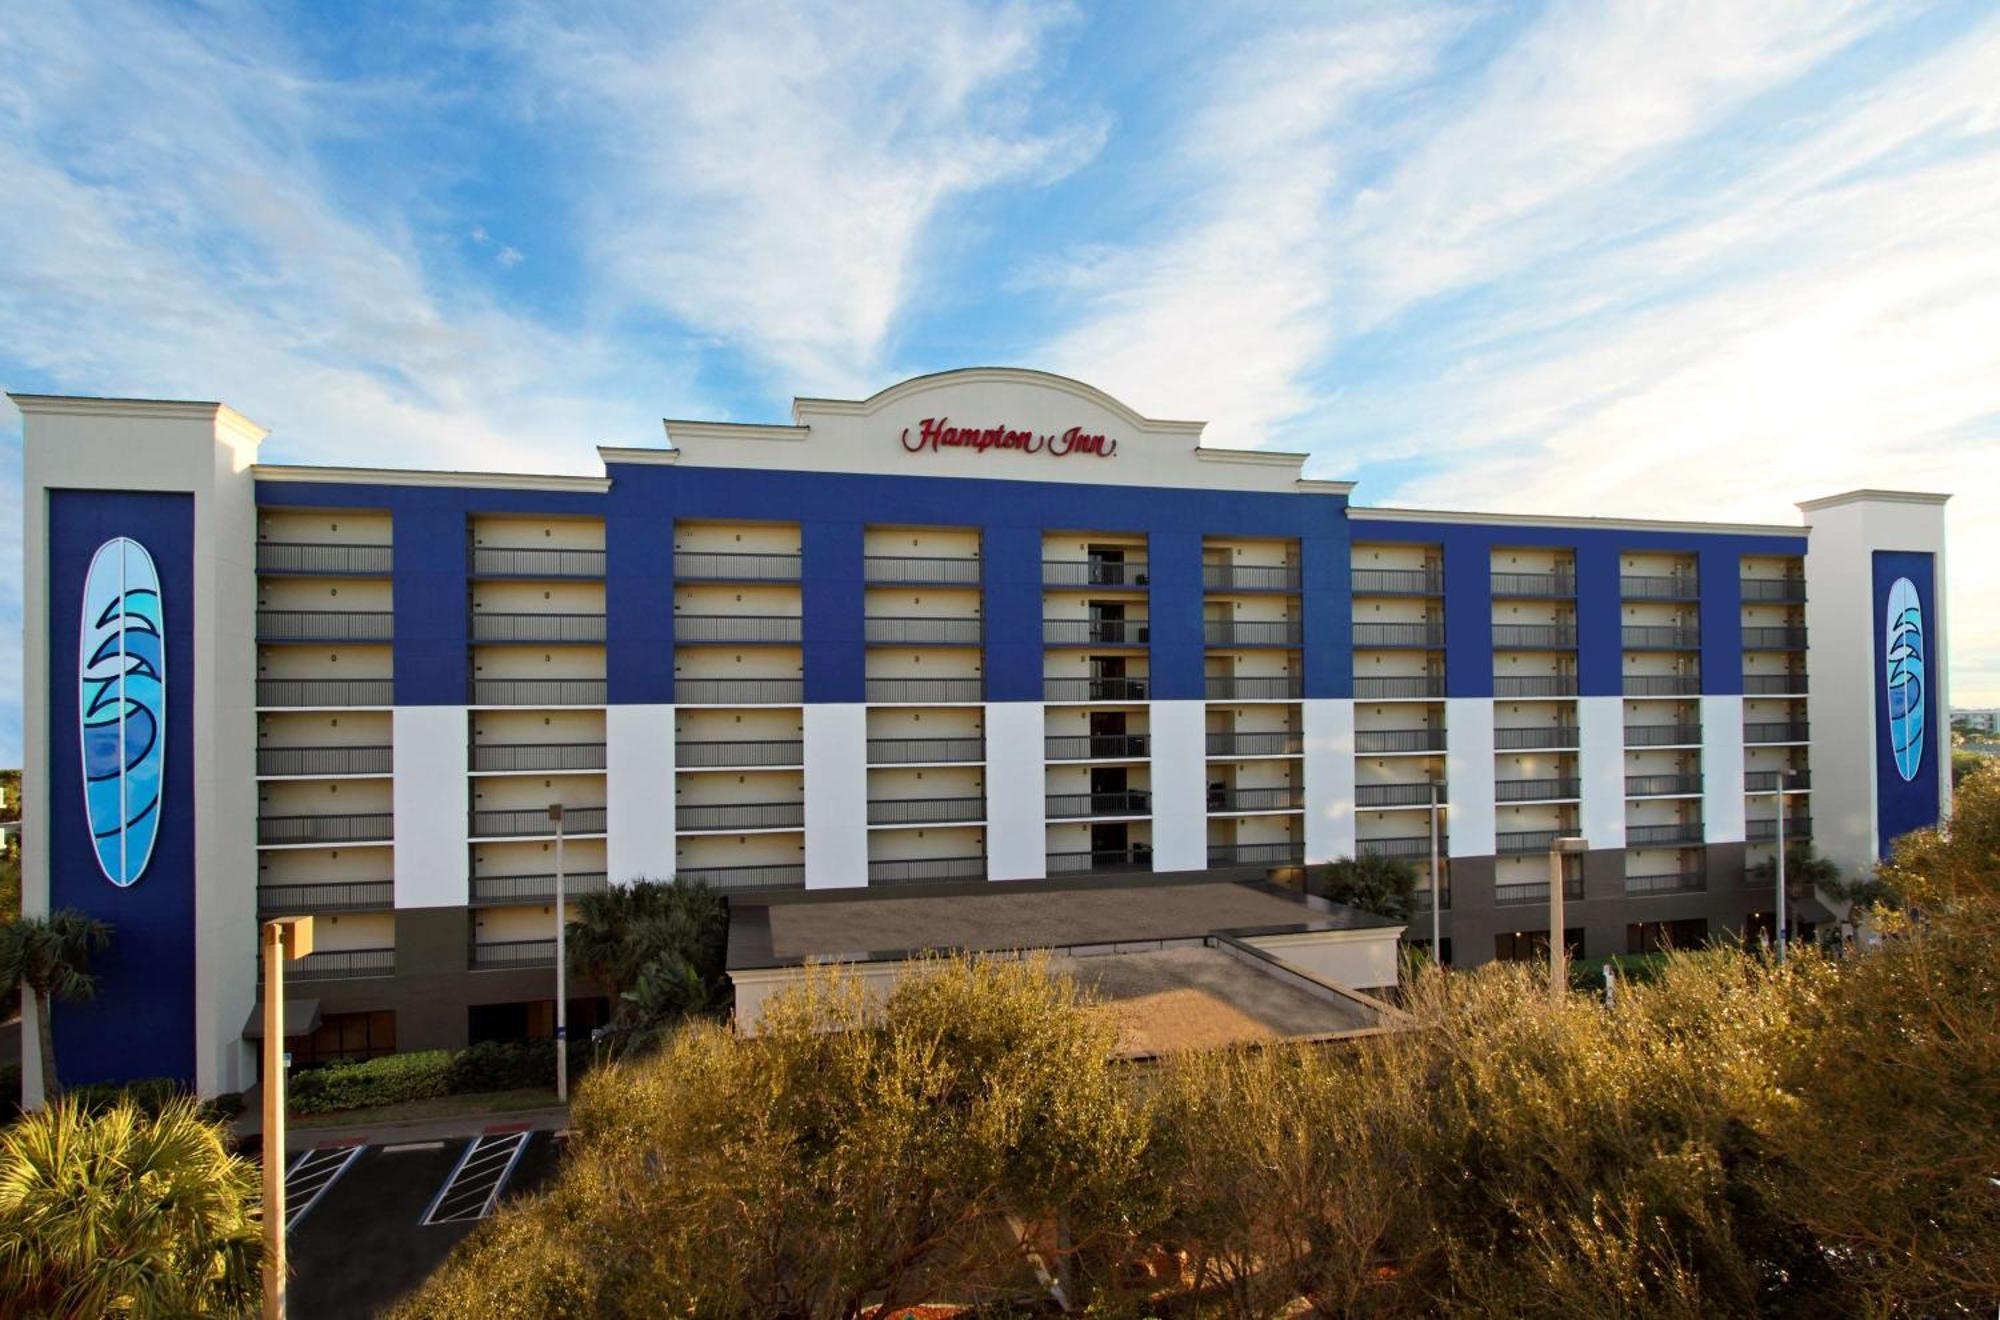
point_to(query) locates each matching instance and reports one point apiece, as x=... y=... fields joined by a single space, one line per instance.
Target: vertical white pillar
x=1180 y=785
x=432 y=801
x=1722 y=806
x=639 y=793
x=1016 y=792
x=1600 y=764
x=1327 y=724
x=1468 y=756
x=836 y=761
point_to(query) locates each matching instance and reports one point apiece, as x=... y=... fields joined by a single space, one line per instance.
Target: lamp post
x=1558 y=952
x=1785 y=775
x=1437 y=894
x=283 y=939
x=562 y=996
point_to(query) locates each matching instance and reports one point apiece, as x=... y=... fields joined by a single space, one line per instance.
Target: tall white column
x=1016 y=792
x=1180 y=785
x=1600 y=764
x=1722 y=807
x=432 y=802
x=639 y=793
x=1468 y=756
x=1327 y=724
x=836 y=761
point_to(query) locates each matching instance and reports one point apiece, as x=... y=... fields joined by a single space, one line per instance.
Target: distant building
x=1977 y=721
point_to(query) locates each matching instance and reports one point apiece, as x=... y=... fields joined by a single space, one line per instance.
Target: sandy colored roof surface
x=1202 y=998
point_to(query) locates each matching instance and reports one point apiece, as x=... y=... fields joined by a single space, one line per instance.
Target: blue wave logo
x=122 y=701
x=1903 y=636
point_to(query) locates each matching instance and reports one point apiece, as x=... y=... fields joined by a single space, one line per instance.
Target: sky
x=1649 y=259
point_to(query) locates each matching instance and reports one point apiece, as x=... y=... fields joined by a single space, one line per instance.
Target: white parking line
x=475 y=1182
x=311 y=1174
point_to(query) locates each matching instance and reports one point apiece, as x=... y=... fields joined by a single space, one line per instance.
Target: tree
x=126 y=1213
x=1386 y=886
x=50 y=958
x=655 y=948
x=1803 y=866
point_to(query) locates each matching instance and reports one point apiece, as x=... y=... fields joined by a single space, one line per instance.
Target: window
x=1533 y=945
x=345 y=1038
x=1659 y=936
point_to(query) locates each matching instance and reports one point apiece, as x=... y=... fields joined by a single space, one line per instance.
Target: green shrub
x=389 y=1080
x=512 y=1065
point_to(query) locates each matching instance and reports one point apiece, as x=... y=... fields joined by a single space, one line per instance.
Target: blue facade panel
x=1721 y=574
x=1600 y=639
x=1173 y=569
x=833 y=599
x=1911 y=746
x=1011 y=565
x=431 y=606
x=638 y=606
x=1468 y=618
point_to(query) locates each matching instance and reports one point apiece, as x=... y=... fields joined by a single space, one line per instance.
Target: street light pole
x=562 y=993
x=1437 y=894
x=1558 y=951
x=1784 y=776
x=284 y=938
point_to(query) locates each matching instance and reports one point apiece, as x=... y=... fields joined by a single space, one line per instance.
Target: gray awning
x=301 y=1019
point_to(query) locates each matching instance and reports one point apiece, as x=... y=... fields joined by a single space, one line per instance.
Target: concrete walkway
x=378 y=1132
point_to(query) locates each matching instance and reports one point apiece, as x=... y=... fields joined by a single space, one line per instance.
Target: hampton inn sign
x=935 y=433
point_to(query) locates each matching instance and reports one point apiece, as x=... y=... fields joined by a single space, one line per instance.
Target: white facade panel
x=1016 y=808
x=1468 y=744
x=1600 y=764
x=1328 y=729
x=639 y=793
x=431 y=805
x=1180 y=785
x=836 y=814
x=1722 y=809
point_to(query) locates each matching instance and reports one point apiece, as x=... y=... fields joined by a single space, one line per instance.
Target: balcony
x=733 y=629
x=1093 y=573
x=1428 y=634
x=325 y=625
x=926 y=811
x=1280 y=852
x=1797 y=731
x=1774 y=685
x=920 y=570
x=318 y=761
x=292 y=692
x=1675 y=834
x=1420 y=900
x=362 y=827
x=1073 y=806
x=1671 y=882
x=1253 y=687
x=1397 y=795
x=1094 y=689
x=924 y=691
x=502 y=955
x=1251 y=632
x=327 y=896
x=739 y=754
x=731 y=566
x=727 y=816
x=1662 y=685
x=922 y=631
x=740 y=691
x=1788 y=591
x=1400 y=687
x=534 y=822
x=538 y=692
x=1396 y=582
x=1537 y=790
x=925 y=751
x=1765 y=830
x=1521 y=843
x=499 y=890
x=925 y=870
x=1409 y=847
x=1136 y=858
x=1249 y=577
x=1534 y=891
x=1774 y=639
x=747 y=879
x=1659 y=588
x=1535 y=738
x=1095 y=747
x=538 y=628
x=340 y=965
x=324 y=559
x=1662 y=786
x=1534 y=685
x=503 y=757
x=1534 y=637
x=1539 y=586
x=540 y=561
x=1277 y=742
x=1095 y=632
x=1663 y=735
x=1766 y=781
x=1276 y=797
x=1660 y=637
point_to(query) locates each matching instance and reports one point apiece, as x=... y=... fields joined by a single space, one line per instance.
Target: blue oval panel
x=1903 y=677
x=122 y=671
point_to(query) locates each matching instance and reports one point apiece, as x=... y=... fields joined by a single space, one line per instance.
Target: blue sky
x=1665 y=260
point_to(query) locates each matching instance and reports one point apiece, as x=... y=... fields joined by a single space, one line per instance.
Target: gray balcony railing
x=536 y=561
x=325 y=625
x=737 y=628
x=1643 y=587
x=326 y=692
x=733 y=566
x=922 y=631
x=1674 y=834
x=1093 y=573
x=1534 y=636
x=1254 y=742
x=1426 y=634
x=1766 y=781
x=537 y=756
x=499 y=955
x=1554 y=789
x=1095 y=746
x=747 y=879
x=1253 y=687
x=1662 y=685
x=1534 y=891
x=1095 y=632
x=1274 y=797
x=1399 y=686
x=924 y=870
x=1277 y=852
x=327 y=896
x=1399 y=740
x=1670 y=785
x=1535 y=737
x=1786 y=590
x=923 y=690
x=1252 y=632
x=920 y=570
x=1782 y=731
x=537 y=627
x=740 y=816
x=1516 y=843
x=1659 y=637
x=1774 y=685
x=341 y=965
x=324 y=760
x=538 y=692
x=1135 y=858
x=1249 y=577
x=530 y=822
x=926 y=811
x=1397 y=795
x=1408 y=846
x=740 y=691
x=1131 y=802
x=1774 y=639
x=1764 y=829
x=351 y=827
x=1534 y=685
x=1056 y=688
x=1662 y=735
x=1420 y=899
x=707 y=755
x=1396 y=581
x=332 y=559
x=1668 y=882
x=920 y=751
x=1558 y=586
x=499 y=889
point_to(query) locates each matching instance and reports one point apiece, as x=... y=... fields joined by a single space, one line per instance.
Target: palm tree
x=665 y=937
x=125 y=1213
x=50 y=957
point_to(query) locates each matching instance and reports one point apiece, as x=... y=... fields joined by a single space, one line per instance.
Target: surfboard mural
x=1903 y=677
x=122 y=673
